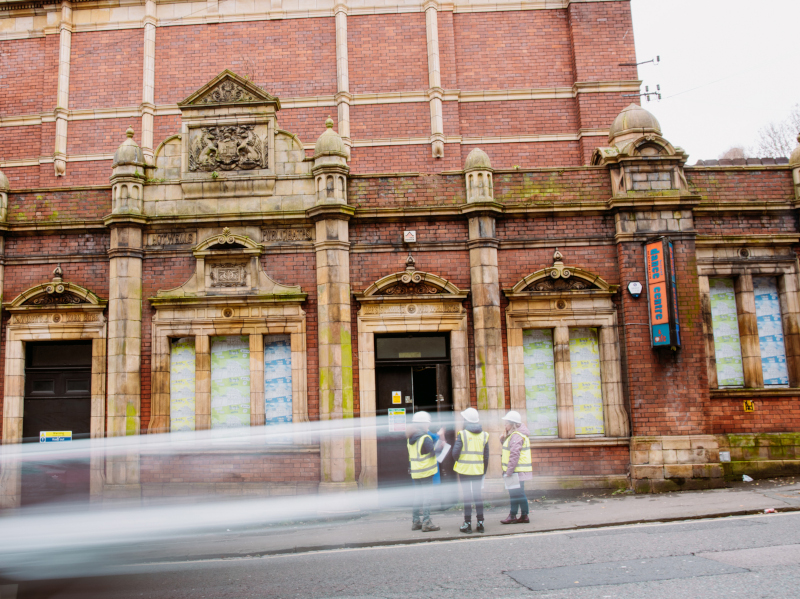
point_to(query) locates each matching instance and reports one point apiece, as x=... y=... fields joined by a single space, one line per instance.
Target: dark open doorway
x=412 y=374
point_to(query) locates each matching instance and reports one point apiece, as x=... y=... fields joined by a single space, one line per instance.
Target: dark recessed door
x=394 y=394
x=58 y=397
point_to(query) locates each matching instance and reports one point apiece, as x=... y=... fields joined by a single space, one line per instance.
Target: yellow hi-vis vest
x=525 y=463
x=470 y=461
x=422 y=466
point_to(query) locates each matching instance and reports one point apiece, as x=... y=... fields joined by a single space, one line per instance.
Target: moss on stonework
x=130 y=420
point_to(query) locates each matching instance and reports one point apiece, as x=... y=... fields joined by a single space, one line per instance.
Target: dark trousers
x=518 y=500
x=471 y=489
x=423 y=489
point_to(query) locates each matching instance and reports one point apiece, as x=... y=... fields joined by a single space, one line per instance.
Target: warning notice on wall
x=397 y=420
x=397 y=397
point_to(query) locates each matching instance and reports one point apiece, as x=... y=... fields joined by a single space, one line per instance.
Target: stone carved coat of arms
x=228 y=148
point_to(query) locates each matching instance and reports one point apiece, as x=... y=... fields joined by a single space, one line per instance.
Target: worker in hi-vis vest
x=516 y=460
x=471 y=452
x=423 y=466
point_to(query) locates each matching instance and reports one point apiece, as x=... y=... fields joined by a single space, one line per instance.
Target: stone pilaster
x=343 y=97
x=62 y=102
x=748 y=331
x=435 y=92
x=335 y=343
x=148 y=80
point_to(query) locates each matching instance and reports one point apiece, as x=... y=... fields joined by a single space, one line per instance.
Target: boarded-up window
x=182 y=385
x=725 y=324
x=587 y=388
x=540 y=382
x=770 y=332
x=277 y=379
x=230 y=382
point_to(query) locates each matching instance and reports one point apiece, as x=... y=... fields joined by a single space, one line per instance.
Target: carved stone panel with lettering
x=228 y=148
x=229 y=275
x=172 y=238
x=293 y=235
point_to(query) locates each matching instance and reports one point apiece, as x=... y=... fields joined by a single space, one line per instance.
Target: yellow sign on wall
x=397 y=397
x=749 y=405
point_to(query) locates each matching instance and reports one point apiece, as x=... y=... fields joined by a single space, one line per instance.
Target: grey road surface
x=752 y=557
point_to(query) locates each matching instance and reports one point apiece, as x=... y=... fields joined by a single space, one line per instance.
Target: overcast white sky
x=726 y=68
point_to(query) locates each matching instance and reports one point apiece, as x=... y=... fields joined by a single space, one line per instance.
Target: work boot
x=512 y=519
x=466 y=528
x=429 y=526
x=523 y=519
x=416 y=525
x=479 y=528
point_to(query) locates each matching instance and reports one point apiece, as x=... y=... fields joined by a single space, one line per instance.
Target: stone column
x=202 y=383
x=435 y=92
x=343 y=97
x=148 y=106
x=62 y=102
x=616 y=418
x=790 y=311
x=748 y=331
x=566 y=414
x=335 y=343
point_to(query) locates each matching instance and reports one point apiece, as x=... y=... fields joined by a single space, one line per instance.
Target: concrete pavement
x=549 y=512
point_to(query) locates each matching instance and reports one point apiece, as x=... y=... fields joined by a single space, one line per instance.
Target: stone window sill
x=580 y=442
x=762 y=392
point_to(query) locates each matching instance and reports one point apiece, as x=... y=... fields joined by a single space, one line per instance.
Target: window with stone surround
x=748 y=292
x=563 y=355
x=748 y=331
x=582 y=362
x=230 y=376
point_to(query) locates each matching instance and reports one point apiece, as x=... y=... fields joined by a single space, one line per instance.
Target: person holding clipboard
x=517 y=466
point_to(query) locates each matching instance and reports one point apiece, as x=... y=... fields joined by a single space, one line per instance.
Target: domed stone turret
x=633 y=122
x=127 y=177
x=794 y=159
x=477 y=159
x=128 y=152
x=330 y=143
x=330 y=167
x=478 y=172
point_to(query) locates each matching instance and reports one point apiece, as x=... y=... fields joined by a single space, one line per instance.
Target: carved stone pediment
x=229 y=88
x=560 y=278
x=411 y=283
x=57 y=294
x=228 y=265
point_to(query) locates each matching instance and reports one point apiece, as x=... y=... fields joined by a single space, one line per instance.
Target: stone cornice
x=482 y=209
x=125 y=253
x=227 y=300
x=769 y=239
x=649 y=201
x=330 y=211
x=488 y=242
x=125 y=220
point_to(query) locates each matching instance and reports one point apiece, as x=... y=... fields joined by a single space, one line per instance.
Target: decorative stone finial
x=329 y=122
x=411 y=263
x=129 y=132
x=58 y=273
x=557 y=257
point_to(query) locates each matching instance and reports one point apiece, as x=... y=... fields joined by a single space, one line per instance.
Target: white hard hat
x=470 y=415
x=513 y=416
x=422 y=417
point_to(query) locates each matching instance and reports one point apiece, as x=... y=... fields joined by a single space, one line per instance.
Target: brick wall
x=771 y=415
x=288 y=58
x=741 y=184
x=518 y=117
x=100 y=136
x=745 y=223
x=92 y=275
x=58 y=205
x=512 y=50
x=602 y=38
x=382 y=121
x=26 y=64
x=668 y=391
x=106 y=69
x=387 y=53
x=95 y=244
x=226 y=468
x=565 y=461
x=404 y=159
x=17 y=143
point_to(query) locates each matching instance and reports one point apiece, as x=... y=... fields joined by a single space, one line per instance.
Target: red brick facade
x=537 y=90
